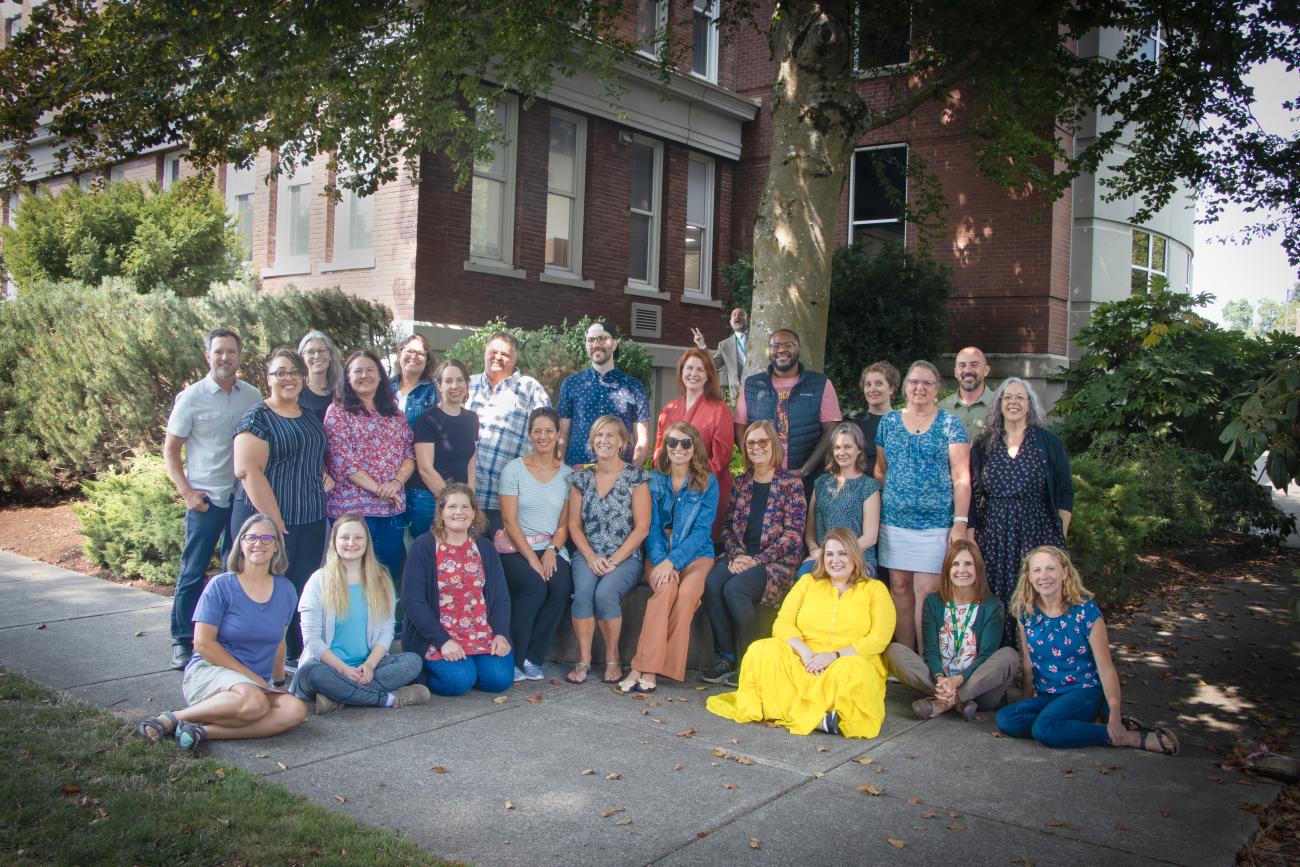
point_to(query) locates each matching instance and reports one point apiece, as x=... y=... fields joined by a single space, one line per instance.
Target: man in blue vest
x=802 y=404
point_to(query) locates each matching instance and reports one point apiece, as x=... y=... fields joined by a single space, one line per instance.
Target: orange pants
x=666 y=630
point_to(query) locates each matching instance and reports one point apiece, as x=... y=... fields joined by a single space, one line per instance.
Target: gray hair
x=992 y=432
x=335 y=372
x=279 y=563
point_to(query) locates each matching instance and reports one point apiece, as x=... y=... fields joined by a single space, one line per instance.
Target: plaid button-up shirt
x=503 y=427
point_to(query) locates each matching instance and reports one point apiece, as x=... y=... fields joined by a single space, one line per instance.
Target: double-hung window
x=293 y=222
x=492 y=208
x=878 y=195
x=882 y=37
x=645 y=212
x=704 y=39
x=240 y=184
x=565 y=170
x=1152 y=46
x=171 y=170
x=651 y=25
x=699 y=226
x=353 y=229
x=1148 y=260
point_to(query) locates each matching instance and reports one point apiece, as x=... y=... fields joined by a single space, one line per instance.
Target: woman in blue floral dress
x=609 y=518
x=923 y=461
x=1069 y=679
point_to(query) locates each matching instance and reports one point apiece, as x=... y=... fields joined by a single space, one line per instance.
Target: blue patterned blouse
x=607 y=520
x=918 y=480
x=1059 y=650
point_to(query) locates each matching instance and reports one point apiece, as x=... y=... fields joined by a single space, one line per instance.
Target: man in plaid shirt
x=503 y=398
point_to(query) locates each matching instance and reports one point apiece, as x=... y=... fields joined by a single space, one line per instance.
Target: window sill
x=292 y=269
x=700 y=300
x=572 y=281
x=353 y=264
x=497 y=269
x=646 y=292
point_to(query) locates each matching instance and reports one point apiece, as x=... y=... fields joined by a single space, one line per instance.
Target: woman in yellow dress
x=822 y=667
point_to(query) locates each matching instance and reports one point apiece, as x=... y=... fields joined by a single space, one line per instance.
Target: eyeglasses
x=921 y=383
x=756 y=445
x=253 y=539
x=284 y=374
x=1015 y=398
x=675 y=443
x=605 y=339
x=312 y=353
x=788 y=345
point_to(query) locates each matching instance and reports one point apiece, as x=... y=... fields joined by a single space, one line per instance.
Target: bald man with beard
x=971 y=401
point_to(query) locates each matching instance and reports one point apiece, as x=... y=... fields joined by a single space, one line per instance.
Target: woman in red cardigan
x=701 y=405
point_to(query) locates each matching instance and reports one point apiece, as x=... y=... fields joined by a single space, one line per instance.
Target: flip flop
x=578 y=676
x=152 y=729
x=618 y=675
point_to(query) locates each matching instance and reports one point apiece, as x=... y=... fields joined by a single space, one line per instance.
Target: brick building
x=628 y=211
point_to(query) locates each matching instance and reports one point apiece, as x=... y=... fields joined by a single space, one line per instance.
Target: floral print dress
x=462 y=607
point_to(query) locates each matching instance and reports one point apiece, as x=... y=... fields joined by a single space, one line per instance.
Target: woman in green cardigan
x=964 y=667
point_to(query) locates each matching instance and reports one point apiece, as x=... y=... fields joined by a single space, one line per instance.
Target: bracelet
x=962 y=518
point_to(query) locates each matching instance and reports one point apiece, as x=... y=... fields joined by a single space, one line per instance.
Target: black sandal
x=1169 y=749
x=1132 y=723
x=153 y=730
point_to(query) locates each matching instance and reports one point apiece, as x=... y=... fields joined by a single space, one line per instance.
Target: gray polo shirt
x=971 y=415
x=205 y=416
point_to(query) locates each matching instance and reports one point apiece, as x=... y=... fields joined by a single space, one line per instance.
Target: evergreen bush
x=134 y=522
x=88 y=375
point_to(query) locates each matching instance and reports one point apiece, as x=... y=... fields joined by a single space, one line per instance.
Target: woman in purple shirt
x=235 y=682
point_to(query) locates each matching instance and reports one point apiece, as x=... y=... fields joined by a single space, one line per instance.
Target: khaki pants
x=986 y=685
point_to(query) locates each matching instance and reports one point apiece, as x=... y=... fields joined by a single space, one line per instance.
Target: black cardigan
x=1060 y=485
x=421 y=628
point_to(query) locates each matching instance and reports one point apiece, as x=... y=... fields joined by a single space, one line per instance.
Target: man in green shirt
x=970 y=403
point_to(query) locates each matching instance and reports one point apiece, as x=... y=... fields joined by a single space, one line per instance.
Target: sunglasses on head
x=683 y=443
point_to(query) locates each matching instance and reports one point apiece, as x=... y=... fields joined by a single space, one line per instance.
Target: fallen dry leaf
x=534 y=699
x=555 y=681
x=754 y=843
x=605 y=814
x=741 y=760
x=678 y=766
x=729 y=786
x=873 y=791
x=719 y=752
x=341 y=799
x=139 y=634
x=863 y=760
x=438 y=769
x=953 y=814
x=956 y=826
x=1068 y=773
x=510 y=805
x=895 y=842
x=260 y=755
x=282 y=766
x=819 y=774
x=71 y=789
x=501 y=699
x=998 y=735
x=1166 y=812
x=586 y=772
x=823 y=749
x=930 y=815
x=686 y=733
x=221 y=773
x=734 y=741
x=1023 y=860
x=614 y=776
x=915 y=802
x=42 y=626
x=623 y=821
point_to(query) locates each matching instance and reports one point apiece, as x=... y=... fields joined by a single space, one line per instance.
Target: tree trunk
x=817 y=118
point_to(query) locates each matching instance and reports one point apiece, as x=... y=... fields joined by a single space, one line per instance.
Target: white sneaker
x=533 y=671
x=519 y=675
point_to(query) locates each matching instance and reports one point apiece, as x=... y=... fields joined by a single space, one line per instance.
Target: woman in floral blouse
x=609 y=518
x=457 y=601
x=370 y=457
x=1069 y=677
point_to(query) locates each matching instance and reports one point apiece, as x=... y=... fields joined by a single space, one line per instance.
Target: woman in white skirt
x=234 y=684
x=923 y=464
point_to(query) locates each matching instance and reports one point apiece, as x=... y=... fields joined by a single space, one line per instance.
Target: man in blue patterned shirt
x=503 y=398
x=603 y=389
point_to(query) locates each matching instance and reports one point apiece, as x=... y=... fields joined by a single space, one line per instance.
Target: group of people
x=886 y=543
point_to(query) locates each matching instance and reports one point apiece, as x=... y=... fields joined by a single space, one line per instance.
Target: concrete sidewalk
x=514 y=789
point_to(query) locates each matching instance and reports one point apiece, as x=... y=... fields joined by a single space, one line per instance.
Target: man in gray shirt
x=202 y=423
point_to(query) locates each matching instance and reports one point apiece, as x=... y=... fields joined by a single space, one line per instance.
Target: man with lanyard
x=202 y=424
x=603 y=389
x=802 y=404
x=503 y=398
x=970 y=402
x=731 y=353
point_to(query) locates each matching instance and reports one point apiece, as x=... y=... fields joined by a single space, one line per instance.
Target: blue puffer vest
x=804 y=410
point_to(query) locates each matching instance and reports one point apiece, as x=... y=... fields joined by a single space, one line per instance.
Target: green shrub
x=88 y=375
x=551 y=354
x=179 y=239
x=1108 y=526
x=738 y=277
x=134 y=522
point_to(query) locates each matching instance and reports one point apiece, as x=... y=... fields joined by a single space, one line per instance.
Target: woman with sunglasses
x=234 y=683
x=763 y=538
x=279 y=456
x=683 y=502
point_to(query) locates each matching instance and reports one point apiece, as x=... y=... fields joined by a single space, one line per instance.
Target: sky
x=1257 y=270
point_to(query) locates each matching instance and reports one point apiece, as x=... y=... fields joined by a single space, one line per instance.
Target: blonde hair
x=608 y=421
x=1025 y=600
x=845 y=537
x=376 y=583
x=698 y=471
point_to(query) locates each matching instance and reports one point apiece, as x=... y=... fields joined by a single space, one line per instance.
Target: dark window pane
x=883 y=43
x=875 y=235
x=879 y=184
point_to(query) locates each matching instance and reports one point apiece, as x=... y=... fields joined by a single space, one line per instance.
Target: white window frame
x=577 y=196
x=509 y=158
x=711 y=9
x=853 y=180
x=240 y=183
x=284 y=262
x=1158 y=38
x=661 y=29
x=11 y=220
x=705 y=289
x=651 y=284
x=344 y=257
x=117 y=174
x=171 y=169
x=1148 y=270
x=858 y=67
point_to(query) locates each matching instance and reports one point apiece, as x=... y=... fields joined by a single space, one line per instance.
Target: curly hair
x=476 y=528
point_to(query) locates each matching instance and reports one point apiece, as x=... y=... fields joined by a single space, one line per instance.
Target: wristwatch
x=279 y=684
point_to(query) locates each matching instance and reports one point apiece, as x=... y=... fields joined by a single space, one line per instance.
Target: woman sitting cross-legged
x=822 y=667
x=684 y=502
x=1070 y=680
x=234 y=682
x=963 y=668
x=457 y=602
x=346 y=612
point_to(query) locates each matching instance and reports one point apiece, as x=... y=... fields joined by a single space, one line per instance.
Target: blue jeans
x=202 y=532
x=420 y=506
x=483 y=670
x=388 y=535
x=393 y=672
x=602 y=597
x=1062 y=721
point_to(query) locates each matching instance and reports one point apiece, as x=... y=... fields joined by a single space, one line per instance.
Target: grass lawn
x=79 y=788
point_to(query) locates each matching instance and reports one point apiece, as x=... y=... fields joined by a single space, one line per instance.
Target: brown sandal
x=578 y=676
x=1169 y=749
